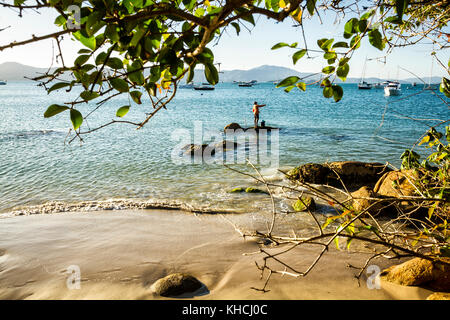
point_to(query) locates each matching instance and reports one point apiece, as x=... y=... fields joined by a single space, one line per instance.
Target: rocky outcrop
x=439 y=296
x=232 y=126
x=353 y=174
x=306 y=203
x=396 y=184
x=197 y=149
x=420 y=272
x=175 y=284
x=360 y=201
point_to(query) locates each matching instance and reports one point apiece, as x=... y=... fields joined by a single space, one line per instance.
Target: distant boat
x=363 y=85
x=3 y=82
x=245 y=84
x=392 y=89
x=380 y=85
x=204 y=86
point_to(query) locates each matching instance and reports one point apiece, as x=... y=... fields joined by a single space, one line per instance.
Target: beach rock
x=196 y=149
x=232 y=126
x=175 y=284
x=310 y=173
x=396 y=184
x=439 y=296
x=354 y=174
x=420 y=272
x=226 y=145
x=306 y=203
x=360 y=204
x=255 y=190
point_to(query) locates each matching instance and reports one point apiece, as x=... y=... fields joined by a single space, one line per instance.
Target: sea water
x=37 y=164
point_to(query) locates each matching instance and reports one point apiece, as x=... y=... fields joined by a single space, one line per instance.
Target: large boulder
x=396 y=184
x=232 y=126
x=310 y=173
x=420 y=272
x=175 y=284
x=356 y=173
x=360 y=201
x=353 y=174
x=225 y=145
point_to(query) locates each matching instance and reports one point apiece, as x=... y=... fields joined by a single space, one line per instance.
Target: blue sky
x=251 y=49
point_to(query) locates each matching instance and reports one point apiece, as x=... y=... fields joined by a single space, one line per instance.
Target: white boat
x=380 y=85
x=392 y=89
x=364 y=86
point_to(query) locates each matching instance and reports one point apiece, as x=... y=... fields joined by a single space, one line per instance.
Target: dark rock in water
x=176 y=284
x=232 y=126
x=306 y=203
x=226 y=145
x=237 y=190
x=196 y=149
x=353 y=174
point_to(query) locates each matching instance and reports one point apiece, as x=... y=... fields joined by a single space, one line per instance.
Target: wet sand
x=121 y=253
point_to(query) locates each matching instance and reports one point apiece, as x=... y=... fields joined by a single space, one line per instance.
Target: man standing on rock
x=256 y=107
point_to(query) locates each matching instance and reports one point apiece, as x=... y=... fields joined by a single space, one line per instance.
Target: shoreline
x=121 y=253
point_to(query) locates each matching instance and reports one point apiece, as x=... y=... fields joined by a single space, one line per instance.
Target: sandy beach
x=121 y=253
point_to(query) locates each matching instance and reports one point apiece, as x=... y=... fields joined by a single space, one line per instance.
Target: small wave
x=113 y=204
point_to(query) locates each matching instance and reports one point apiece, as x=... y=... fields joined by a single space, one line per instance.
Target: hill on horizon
x=14 y=71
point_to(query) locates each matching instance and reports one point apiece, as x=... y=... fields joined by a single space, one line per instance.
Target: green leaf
x=111 y=33
x=376 y=39
x=325 y=44
x=76 y=118
x=190 y=74
x=401 y=6
x=338 y=92
x=119 y=84
x=289 y=81
x=88 y=95
x=301 y=86
x=58 y=85
x=328 y=70
x=330 y=56
x=342 y=71
x=54 y=109
x=298 y=55
x=355 y=43
x=340 y=44
x=237 y=27
x=311 y=5
x=327 y=92
x=135 y=72
x=211 y=73
x=368 y=14
x=114 y=63
x=362 y=25
x=136 y=96
x=280 y=45
x=81 y=60
x=122 y=111
x=88 y=42
x=288 y=89
x=350 y=26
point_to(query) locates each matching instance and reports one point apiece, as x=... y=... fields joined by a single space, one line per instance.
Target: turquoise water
x=36 y=165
